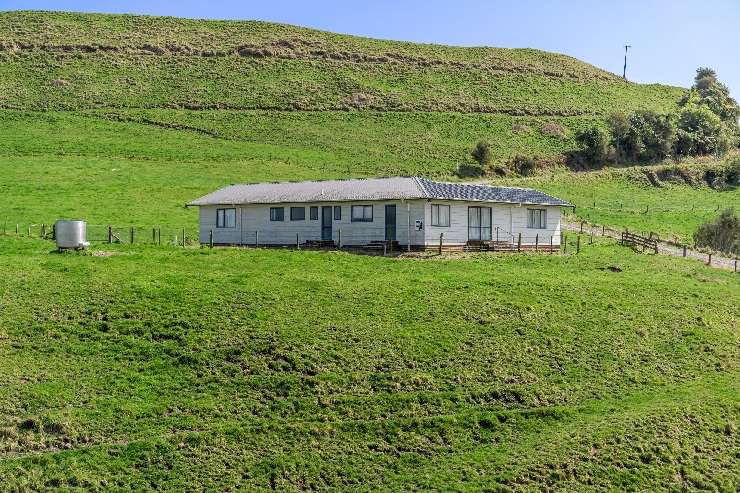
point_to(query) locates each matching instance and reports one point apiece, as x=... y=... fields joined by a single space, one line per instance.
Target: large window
x=226 y=218
x=297 y=213
x=440 y=215
x=362 y=213
x=314 y=213
x=479 y=223
x=338 y=213
x=537 y=218
x=277 y=214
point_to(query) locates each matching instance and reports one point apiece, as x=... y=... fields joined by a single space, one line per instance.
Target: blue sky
x=670 y=39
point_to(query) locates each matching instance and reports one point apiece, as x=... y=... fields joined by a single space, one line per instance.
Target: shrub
x=593 y=145
x=482 y=153
x=643 y=136
x=469 y=170
x=700 y=132
x=524 y=165
x=723 y=234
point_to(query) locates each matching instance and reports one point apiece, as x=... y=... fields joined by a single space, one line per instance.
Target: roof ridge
x=424 y=192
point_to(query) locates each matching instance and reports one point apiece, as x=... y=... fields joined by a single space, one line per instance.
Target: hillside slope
x=74 y=61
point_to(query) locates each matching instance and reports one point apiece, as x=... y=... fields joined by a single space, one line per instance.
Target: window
x=297 y=213
x=537 y=218
x=314 y=213
x=277 y=214
x=479 y=223
x=226 y=218
x=362 y=213
x=440 y=215
x=338 y=213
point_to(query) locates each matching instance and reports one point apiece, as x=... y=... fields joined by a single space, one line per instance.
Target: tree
x=482 y=153
x=643 y=136
x=710 y=92
x=593 y=145
x=700 y=132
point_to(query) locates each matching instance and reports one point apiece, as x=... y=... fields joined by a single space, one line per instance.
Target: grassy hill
x=137 y=368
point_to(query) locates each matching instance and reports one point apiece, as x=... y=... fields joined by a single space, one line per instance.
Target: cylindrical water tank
x=71 y=234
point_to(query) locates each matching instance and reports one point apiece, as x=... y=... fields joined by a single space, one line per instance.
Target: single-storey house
x=411 y=212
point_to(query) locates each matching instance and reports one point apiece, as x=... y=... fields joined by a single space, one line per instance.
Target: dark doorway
x=390 y=223
x=326 y=218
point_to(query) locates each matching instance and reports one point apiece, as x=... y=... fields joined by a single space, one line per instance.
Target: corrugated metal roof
x=394 y=188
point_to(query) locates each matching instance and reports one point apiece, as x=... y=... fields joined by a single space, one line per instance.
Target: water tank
x=71 y=234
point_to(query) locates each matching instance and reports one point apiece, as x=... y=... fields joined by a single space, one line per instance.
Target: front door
x=390 y=222
x=479 y=223
x=326 y=217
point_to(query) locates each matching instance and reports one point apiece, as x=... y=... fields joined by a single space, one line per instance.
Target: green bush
x=700 y=131
x=524 y=165
x=469 y=170
x=482 y=153
x=723 y=234
x=593 y=145
x=646 y=137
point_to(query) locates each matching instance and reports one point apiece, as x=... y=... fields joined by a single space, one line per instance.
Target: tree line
x=705 y=123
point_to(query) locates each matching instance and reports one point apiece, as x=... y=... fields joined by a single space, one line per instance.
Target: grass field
x=141 y=368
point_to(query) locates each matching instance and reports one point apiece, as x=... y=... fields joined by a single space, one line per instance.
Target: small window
x=440 y=215
x=314 y=211
x=277 y=214
x=537 y=218
x=225 y=218
x=338 y=213
x=297 y=213
x=362 y=213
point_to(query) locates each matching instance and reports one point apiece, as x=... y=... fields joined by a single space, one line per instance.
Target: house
x=411 y=212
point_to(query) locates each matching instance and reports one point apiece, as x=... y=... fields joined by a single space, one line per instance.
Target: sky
x=669 y=38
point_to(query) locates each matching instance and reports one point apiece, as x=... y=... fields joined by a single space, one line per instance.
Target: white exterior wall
x=510 y=219
x=253 y=218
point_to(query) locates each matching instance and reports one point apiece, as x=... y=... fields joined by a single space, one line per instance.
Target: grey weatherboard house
x=412 y=212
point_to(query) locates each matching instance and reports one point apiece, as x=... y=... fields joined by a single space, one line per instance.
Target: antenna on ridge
x=624 y=72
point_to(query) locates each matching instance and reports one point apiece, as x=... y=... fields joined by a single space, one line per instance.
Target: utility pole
x=624 y=73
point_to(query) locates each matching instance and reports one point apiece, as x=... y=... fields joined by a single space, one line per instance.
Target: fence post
x=578 y=244
x=519 y=243
x=159 y=236
x=297 y=244
x=550 y=244
x=54 y=231
x=591 y=239
x=537 y=242
x=16 y=229
x=256 y=238
x=43 y=231
x=154 y=235
x=440 y=243
x=603 y=230
x=684 y=251
x=339 y=239
x=183 y=237
x=132 y=235
x=564 y=241
x=110 y=235
x=29 y=230
x=735 y=265
x=385 y=248
x=210 y=239
x=581 y=226
x=709 y=261
x=496 y=234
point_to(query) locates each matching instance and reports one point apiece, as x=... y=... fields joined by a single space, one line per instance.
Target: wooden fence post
x=581 y=226
x=29 y=230
x=603 y=230
x=16 y=229
x=591 y=239
x=131 y=231
x=537 y=242
x=159 y=236
x=183 y=237
x=385 y=248
x=578 y=244
x=564 y=241
x=339 y=238
x=110 y=235
x=256 y=238
x=519 y=243
x=709 y=261
x=297 y=242
x=43 y=231
x=154 y=235
x=210 y=239
x=684 y=251
x=496 y=234
x=550 y=244
x=735 y=265
x=440 y=243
